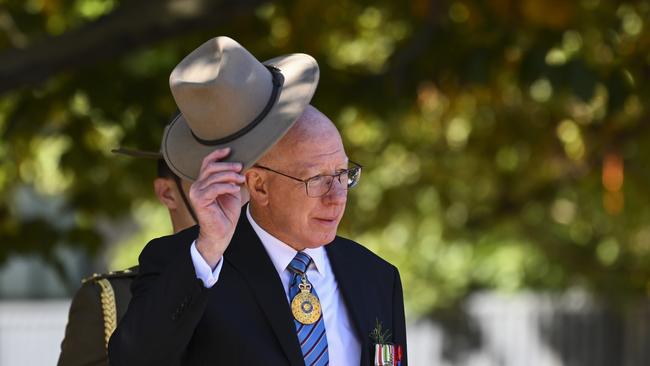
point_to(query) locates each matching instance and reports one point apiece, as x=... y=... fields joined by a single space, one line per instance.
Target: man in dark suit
x=270 y=283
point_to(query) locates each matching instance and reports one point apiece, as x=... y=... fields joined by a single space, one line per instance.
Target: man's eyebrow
x=309 y=168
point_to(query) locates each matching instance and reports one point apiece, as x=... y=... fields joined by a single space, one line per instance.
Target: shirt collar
x=281 y=253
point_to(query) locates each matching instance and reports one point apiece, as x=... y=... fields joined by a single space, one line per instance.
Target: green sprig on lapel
x=379 y=335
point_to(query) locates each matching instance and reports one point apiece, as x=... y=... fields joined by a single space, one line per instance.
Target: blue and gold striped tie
x=312 y=337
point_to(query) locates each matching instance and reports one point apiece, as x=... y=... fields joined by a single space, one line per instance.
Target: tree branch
x=135 y=24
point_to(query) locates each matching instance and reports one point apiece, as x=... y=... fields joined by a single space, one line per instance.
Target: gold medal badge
x=305 y=306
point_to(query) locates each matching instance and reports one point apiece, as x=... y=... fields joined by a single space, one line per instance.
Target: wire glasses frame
x=320 y=185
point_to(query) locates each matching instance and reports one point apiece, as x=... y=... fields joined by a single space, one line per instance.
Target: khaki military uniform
x=95 y=311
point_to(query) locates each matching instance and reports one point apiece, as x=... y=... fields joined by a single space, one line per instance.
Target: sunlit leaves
x=371 y=42
x=504 y=142
x=91 y=9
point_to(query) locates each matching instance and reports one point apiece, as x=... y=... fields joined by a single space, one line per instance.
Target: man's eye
x=317 y=179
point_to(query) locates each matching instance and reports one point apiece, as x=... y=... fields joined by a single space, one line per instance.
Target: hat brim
x=137 y=153
x=184 y=154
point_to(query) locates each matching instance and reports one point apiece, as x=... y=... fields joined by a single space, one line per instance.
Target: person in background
x=102 y=299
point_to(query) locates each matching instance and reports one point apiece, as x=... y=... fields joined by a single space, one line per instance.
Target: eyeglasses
x=320 y=185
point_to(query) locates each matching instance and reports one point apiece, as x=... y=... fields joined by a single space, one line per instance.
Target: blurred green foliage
x=504 y=142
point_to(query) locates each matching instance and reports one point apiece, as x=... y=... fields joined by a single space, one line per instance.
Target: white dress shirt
x=343 y=346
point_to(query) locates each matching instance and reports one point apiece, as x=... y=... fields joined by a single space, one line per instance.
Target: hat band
x=277 y=80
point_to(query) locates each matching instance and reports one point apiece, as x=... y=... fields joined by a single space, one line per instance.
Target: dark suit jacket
x=244 y=319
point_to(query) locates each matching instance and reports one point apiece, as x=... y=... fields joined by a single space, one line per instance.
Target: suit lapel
x=350 y=278
x=248 y=256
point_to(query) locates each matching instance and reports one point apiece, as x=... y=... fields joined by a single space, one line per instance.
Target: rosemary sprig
x=378 y=335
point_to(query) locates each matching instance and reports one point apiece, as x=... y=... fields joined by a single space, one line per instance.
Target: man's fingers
x=212 y=167
x=216 y=155
x=221 y=177
x=208 y=194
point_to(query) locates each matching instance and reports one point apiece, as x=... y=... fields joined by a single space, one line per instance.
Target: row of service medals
x=388 y=355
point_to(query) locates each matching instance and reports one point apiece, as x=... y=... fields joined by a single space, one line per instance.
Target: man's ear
x=256 y=185
x=166 y=192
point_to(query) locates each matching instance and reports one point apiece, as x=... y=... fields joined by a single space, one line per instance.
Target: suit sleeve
x=83 y=343
x=399 y=320
x=168 y=303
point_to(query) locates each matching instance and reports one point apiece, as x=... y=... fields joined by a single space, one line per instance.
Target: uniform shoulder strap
x=109 y=308
x=107 y=296
x=131 y=272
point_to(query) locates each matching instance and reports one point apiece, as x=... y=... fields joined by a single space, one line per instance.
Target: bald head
x=281 y=202
x=312 y=127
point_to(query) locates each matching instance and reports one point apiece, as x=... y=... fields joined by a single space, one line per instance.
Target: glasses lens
x=319 y=185
x=354 y=173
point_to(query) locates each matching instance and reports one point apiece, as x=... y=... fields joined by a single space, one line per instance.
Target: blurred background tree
x=503 y=141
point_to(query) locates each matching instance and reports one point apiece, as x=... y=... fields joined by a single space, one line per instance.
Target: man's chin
x=323 y=239
x=327 y=238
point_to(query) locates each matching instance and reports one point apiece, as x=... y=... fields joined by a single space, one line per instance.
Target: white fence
x=31 y=331
x=490 y=329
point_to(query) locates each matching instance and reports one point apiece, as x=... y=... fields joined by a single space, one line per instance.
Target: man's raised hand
x=216 y=198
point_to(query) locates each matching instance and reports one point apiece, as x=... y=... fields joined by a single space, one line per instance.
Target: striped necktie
x=312 y=338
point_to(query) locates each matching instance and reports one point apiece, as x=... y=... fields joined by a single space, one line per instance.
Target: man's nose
x=338 y=192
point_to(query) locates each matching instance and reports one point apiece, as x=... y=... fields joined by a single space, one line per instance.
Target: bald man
x=270 y=283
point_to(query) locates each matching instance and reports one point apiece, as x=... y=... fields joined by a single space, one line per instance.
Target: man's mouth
x=326 y=221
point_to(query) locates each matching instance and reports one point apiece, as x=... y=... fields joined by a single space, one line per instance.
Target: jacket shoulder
x=162 y=250
x=83 y=343
x=128 y=273
x=364 y=255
